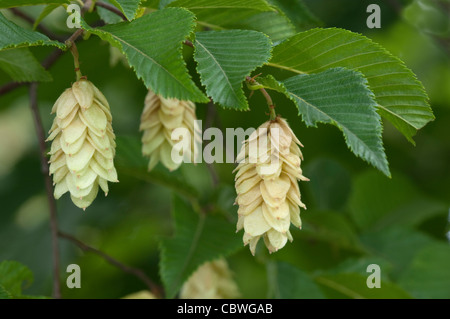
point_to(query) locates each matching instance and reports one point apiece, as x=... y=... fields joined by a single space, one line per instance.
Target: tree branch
x=111 y=8
x=155 y=289
x=40 y=27
x=49 y=189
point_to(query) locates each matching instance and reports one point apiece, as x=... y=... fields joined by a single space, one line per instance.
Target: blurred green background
x=356 y=216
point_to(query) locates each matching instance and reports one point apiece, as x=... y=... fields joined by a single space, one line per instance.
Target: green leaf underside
x=22 y=66
x=400 y=96
x=156 y=56
x=18 y=3
x=13 y=36
x=12 y=276
x=353 y=285
x=198 y=238
x=225 y=58
x=128 y=7
x=341 y=97
x=292 y=283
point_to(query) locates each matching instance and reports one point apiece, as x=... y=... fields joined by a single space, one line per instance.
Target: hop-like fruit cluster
x=268 y=194
x=212 y=280
x=159 y=118
x=83 y=146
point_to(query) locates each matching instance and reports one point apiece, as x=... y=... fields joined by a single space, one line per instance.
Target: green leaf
x=198 y=238
x=400 y=96
x=396 y=244
x=235 y=14
x=330 y=183
x=332 y=228
x=273 y=23
x=289 y=282
x=13 y=36
x=353 y=285
x=377 y=202
x=128 y=7
x=130 y=161
x=22 y=66
x=152 y=45
x=298 y=13
x=12 y=276
x=428 y=275
x=225 y=58
x=341 y=97
x=196 y=5
x=4 y=294
x=44 y=13
x=253 y=15
x=18 y=3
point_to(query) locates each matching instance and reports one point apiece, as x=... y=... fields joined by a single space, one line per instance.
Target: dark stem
x=48 y=187
x=111 y=8
x=210 y=115
x=272 y=113
x=155 y=289
x=47 y=63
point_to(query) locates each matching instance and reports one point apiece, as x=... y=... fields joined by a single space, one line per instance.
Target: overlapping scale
x=83 y=146
x=267 y=188
x=159 y=118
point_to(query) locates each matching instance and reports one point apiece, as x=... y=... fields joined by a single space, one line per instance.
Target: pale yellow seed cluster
x=83 y=146
x=267 y=188
x=212 y=280
x=160 y=117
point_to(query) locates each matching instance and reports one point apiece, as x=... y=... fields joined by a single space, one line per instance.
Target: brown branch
x=155 y=289
x=210 y=115
x=40 y=27
x=49 y=189
x=47 y=63
x=111 y=8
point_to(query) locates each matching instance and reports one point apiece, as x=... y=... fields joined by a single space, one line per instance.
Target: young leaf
x=225 y=58
x=128 y=7
x=18 y=3
x=400 y=96
x=13 y=36
x=152 y=45
x=22 y=66
x=198 y=238
x=289 y=282
x=341 y=97
x=12 y=277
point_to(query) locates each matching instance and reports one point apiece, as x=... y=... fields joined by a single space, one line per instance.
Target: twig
x=40 y=27
x=111 y=8
x=49 y=189
x=210 y=115
x=47 y=63
x=155 y=289
x=272 y=113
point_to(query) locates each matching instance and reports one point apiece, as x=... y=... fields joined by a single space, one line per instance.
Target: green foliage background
x=356 y=216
